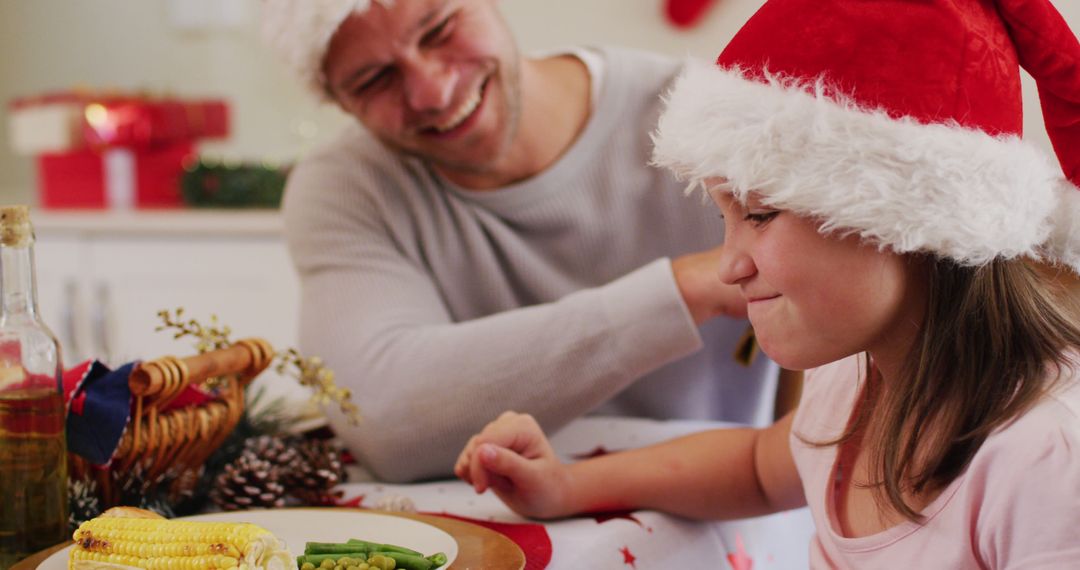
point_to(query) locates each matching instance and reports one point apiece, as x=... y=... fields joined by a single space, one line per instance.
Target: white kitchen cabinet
x=103 y=277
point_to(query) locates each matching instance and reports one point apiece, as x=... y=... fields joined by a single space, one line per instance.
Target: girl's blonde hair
x=994 y=340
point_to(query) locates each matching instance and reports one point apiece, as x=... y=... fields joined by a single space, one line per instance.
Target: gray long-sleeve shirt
x=441 y=307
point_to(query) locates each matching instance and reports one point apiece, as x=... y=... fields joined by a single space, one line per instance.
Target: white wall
x=131 y=44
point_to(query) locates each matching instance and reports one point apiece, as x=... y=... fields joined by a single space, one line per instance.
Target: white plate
x=297 y=527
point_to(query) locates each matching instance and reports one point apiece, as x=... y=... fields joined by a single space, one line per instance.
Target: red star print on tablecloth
x=628 y=557
x=739 y=560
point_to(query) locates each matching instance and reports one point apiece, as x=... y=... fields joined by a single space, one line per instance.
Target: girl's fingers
x=478 y=471
x=461 y=466
x=462 y=471
x=503 y=463
x=507 y=442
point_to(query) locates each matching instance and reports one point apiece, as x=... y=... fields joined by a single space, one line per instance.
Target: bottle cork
x=15 y=228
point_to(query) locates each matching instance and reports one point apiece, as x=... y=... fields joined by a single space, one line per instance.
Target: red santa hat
x=897 y=121
x=300 y=32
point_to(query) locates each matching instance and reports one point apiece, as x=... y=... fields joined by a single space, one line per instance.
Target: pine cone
x=281 y=453
x=317 y=472
x=158 y=504
x=135 y=483
x=248 y=483
x=84 y=502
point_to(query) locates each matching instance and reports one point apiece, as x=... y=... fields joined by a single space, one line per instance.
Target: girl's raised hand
x=512 y=457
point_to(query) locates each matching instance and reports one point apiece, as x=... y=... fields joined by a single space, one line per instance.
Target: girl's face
x=814 y=299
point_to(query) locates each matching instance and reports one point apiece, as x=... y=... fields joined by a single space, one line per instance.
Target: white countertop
x=239 y=222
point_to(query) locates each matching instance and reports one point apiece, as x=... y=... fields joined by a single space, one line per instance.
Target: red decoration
x=739 y=560
x=78 y=405
x=355 y=502
x=531 y=537
x=628 y=557
x=686 y=13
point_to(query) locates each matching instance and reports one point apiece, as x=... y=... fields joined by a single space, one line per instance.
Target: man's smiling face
x=437 y=79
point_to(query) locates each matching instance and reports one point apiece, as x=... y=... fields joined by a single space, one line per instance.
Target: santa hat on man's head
x=300 y=32
x=897 y=121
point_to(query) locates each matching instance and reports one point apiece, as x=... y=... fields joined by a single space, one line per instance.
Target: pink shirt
x=1017 y=505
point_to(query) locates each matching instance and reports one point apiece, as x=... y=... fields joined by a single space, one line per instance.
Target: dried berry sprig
x=309 y=372
x=213 y=337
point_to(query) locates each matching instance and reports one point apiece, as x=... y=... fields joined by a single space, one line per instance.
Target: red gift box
x=118 y=178
x=66 y=121
x=117 y=151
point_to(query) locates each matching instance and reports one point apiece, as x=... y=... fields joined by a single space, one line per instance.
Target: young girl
x=884 y=222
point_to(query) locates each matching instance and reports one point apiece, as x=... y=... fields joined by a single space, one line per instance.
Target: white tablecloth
x=641 y=540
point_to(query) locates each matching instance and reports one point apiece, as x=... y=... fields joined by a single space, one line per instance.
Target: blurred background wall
x=212 y=48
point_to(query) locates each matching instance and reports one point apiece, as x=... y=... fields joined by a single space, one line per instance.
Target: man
x=489 y=236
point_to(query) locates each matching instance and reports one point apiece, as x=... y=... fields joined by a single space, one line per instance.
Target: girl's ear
x=917 y=270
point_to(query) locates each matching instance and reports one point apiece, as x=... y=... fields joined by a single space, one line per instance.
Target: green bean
x=376 y=547
x=407 y=561
x=377 y=556
x=343 y=548
x=319 y=560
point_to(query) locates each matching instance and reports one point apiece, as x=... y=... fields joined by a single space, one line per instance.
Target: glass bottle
x=33 y=453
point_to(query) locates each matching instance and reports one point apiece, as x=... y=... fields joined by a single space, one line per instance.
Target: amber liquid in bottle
x=33 y=474
x=33 y=452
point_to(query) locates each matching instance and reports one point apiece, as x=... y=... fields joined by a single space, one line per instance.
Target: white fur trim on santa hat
x=300 y=31
x=941 y=188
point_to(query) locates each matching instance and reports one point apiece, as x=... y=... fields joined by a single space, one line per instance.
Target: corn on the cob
x=159 y=544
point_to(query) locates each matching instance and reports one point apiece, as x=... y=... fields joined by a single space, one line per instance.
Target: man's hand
x=512 y=457
x=698 y=278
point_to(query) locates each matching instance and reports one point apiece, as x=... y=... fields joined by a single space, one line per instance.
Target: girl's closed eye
x=760 y=218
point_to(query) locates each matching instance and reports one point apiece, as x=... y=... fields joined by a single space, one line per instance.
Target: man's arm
x=426 y=383
x=705 y=296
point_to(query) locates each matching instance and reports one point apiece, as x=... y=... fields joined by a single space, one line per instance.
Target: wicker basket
x=168 y=446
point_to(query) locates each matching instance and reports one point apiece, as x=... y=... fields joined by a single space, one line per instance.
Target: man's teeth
x=462 y=113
